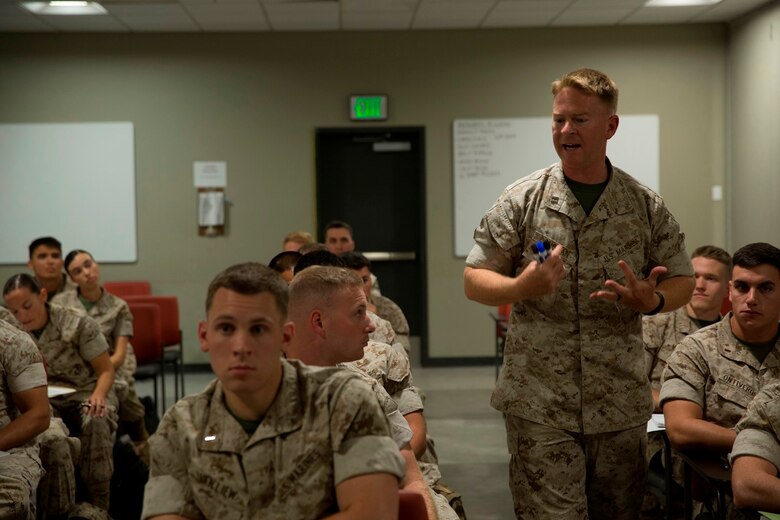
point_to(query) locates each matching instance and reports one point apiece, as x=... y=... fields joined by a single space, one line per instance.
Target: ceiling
x=363 y=15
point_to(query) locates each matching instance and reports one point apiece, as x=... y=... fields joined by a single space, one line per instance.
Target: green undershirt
x=760 y=350
x=587 y=194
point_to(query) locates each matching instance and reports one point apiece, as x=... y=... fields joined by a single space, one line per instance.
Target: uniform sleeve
x=91 y=341
x=668 y=244
x=360 y=434
x=686 y=374
x=22 y=363
x=756 y=432
x=168 y=490
x=494 y=237
x=124 y=322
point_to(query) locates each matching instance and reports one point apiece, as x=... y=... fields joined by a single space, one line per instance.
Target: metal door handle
x=387 y=256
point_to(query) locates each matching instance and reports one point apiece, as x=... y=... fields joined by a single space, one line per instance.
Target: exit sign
x=368 y=108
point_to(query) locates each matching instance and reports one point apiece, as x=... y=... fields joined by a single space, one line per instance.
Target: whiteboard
x=491 y=154
x=72 y=181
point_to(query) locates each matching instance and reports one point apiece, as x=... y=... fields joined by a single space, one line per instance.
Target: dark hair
x=44 y=241
x=756 y=254
x=314 y=246
x=355 y=261
x=19 y=281
x=250 y=278
x=336 y=224
x=284 y=261
x=324 y=258
x=72 y=255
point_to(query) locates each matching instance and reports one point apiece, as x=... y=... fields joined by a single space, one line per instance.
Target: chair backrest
x=169 y=314
x=129 y=288
x=411 y=506
x=147 y=332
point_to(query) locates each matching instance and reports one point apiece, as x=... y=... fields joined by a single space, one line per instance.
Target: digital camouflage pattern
x=542 y=456
x=59 y=456
x=324 y=427
x=69 y=341
x=113 y=316
x=662 y=333
x=388 y=310
x=8 y=317
x=758 y=433
x=21 y=369
x=570 y=362
x=716 y=371
x=67 y=285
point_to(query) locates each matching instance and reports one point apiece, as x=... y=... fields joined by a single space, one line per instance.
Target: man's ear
x=44 y=295
x=202 y=328
x=731 y=288
x=317 y=322
x=612 y=125
x=288 y=333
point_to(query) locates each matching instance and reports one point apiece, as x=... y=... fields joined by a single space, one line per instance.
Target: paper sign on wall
x=210 y=174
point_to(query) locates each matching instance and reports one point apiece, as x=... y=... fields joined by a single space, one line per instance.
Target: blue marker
x=540 y=252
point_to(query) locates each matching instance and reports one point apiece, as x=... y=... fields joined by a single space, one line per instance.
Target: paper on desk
x=770 y=516
x=656 y=423
x=55 y=390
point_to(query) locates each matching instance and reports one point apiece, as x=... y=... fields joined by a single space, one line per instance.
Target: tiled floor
x=469 y=435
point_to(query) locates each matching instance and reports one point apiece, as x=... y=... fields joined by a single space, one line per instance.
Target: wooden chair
x=124 y=289
x=173 y=347
x=148 y=345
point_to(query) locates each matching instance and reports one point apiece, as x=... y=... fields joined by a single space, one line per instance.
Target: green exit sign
x=368 y=108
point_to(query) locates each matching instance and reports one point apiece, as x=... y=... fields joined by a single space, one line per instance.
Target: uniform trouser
x=57 y=489
x=130 y=408
x=558 y=474
x=96 y=463
x=20 y=471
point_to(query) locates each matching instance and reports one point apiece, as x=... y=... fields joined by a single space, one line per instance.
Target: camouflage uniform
x=572 y=364
x=662 y=333
x=8 y=317
x=391 y=369
x=324 y=427
x=384 y=333
x=67 y=285
x=69 y=342
x=716 y=371
x=758 y=433
x=21 y=369
x=387 y=309
x=115 y=320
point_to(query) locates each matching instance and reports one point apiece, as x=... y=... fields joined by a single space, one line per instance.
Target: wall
x=754 y=80
x=254 y=101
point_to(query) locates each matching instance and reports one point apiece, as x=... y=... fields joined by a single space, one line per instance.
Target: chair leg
x=156 y=400
x=162 y=373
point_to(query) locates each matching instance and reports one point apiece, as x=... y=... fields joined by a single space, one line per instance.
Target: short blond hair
x=592 y=82
x=299 y=237
x=320 y=283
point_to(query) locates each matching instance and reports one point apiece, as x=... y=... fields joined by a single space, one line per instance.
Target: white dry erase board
x=491 y=154
x=73 y=181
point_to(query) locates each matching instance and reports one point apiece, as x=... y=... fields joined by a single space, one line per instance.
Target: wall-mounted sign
x=368 y=107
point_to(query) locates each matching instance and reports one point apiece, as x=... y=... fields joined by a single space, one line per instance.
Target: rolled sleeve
x=166 y=495
x=91 y=341
x=757 y=443
x=367 y=454
x=124 y=323
x=32 y=376
x=685 y=375
x=409 y=401
x=678 y=389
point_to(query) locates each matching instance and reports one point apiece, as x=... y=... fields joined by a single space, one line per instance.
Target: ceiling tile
x=663 y=15
x=441 y=14
x=524 y=13
x=229 y=16
x=90 y=23
x=153 y=17
x=577 y=16
x=13 y=21
x=303 y=16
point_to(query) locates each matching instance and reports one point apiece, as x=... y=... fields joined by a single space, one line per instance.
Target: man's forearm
x=677 y=292
x=701 y=434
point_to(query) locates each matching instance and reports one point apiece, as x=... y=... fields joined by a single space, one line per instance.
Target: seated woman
x=76 y=354
x=116 y=322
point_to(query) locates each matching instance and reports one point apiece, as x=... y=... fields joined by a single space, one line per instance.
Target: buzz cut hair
x=320 y=283
x=299 y=237
x=713 y=253
x=591 y=82
x=337 y=224
x=44 y=241
x=250 y=278
x=758 y=253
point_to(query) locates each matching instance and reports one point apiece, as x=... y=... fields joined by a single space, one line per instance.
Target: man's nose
x=370 y=327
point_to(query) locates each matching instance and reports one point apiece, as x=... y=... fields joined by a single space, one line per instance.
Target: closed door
x=374 y=179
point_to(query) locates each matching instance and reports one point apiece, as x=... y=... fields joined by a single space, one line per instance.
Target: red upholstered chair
x=147 y=344
x=171 y=336
x=411 y=506
x=123 y=289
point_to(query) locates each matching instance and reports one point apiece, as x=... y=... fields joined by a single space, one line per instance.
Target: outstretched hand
x=636 y=294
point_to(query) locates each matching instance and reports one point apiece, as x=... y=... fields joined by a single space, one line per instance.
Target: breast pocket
x=729 y=401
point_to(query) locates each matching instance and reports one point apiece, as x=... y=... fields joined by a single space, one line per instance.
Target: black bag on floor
x=152 y=419
x=127 y=483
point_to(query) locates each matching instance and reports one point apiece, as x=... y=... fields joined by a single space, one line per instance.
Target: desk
x=54 y=390
x=714 y=470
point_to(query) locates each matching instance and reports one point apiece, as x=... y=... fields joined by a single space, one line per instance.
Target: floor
x=469 y=435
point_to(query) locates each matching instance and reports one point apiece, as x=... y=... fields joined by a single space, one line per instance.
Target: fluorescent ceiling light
x=65 y=7
x=679 y=3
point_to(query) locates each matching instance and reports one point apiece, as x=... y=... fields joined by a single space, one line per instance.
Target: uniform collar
x=730 y=348
x=222 y=433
